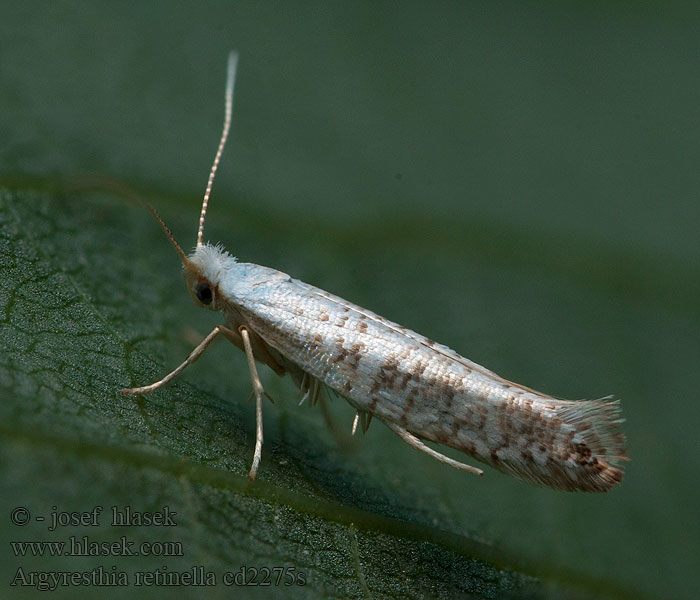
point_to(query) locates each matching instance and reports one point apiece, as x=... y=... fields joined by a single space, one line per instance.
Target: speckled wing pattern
x=430 y=391
x=420 y=389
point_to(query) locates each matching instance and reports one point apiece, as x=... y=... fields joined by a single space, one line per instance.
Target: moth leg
x=304 y=387
x=355 y=421
x=365 y=419
x=194 y=355
x=258 y=391
x=412 y=440
x=327 y=417
x=361 y=417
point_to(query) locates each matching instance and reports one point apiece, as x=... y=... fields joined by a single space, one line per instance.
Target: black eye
x=203 y=293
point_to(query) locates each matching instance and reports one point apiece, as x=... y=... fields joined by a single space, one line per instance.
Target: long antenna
x=230 y=81
x=169 y=234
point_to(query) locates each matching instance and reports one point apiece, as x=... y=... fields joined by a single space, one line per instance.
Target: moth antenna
x=169 y=234
x=230 y=81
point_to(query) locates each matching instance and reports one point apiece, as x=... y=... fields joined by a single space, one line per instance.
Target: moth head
x=201 y=269
x=205 y=270
x=202 y=291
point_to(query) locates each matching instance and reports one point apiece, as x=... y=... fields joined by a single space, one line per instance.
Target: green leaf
x=513 y=185
x=76 y=326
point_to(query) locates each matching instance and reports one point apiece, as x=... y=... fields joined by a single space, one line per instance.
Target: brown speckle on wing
x=437 y=395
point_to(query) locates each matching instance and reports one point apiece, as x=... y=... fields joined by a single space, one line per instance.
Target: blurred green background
x=517 y=180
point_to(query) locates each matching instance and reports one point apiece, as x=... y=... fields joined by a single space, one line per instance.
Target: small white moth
x=421 y=390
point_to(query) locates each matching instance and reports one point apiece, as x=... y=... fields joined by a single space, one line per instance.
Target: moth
x=421 y=390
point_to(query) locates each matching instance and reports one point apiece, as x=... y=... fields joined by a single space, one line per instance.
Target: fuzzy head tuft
x=203 y=271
